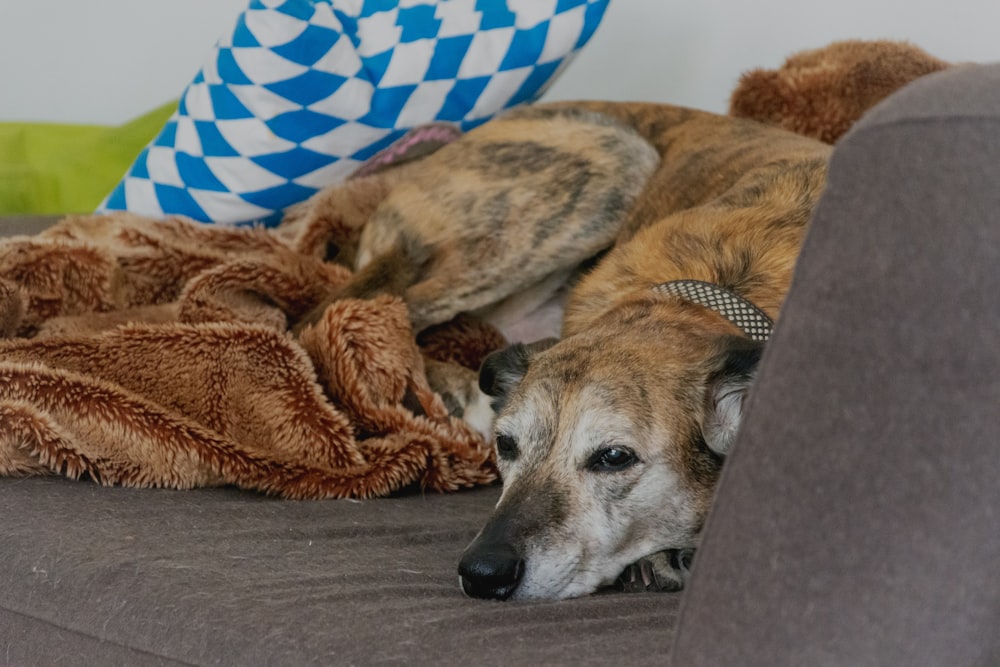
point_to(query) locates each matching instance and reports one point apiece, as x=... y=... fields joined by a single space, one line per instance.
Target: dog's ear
x=727 y=391
x=502 y=370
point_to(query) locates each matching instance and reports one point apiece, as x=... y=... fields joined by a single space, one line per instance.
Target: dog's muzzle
x=490 y=570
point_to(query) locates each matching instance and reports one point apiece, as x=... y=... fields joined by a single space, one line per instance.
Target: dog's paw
x=665 y=571
x=459 y=389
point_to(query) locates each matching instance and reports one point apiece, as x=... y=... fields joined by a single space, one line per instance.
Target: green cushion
x=55 y=168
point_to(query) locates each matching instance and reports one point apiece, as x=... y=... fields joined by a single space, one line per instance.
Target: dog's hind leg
x=390 y=272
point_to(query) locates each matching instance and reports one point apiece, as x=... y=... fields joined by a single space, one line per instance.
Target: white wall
x=693 y=52
x=105 y=61
x=102 y=61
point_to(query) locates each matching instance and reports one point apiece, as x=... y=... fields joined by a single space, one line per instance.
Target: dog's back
x=728 y=205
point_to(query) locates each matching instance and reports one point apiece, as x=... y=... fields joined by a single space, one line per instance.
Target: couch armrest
x=856 y=522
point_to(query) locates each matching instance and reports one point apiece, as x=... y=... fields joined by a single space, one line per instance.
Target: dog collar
x=753 y=321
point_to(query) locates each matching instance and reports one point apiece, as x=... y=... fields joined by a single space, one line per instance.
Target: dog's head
x=610 y=443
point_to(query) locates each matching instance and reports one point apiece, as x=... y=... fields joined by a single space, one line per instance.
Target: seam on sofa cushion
x=911 y=121
x=87 y=635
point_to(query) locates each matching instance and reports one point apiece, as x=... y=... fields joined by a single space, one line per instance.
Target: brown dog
x=610 y=441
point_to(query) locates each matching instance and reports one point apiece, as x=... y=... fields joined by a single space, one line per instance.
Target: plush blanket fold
x=156 y=353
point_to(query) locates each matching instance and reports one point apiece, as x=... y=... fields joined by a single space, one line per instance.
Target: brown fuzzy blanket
x=156 y=353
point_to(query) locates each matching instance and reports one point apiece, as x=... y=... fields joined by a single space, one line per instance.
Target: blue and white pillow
x=303 y=91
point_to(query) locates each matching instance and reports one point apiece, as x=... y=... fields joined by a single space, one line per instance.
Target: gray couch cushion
x=857 y=520
x=15 y=225
x=93 y=575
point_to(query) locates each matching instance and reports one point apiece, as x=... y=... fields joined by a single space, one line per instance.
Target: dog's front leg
x=665 y=571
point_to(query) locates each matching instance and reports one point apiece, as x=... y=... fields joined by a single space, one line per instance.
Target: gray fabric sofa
x=856 y=522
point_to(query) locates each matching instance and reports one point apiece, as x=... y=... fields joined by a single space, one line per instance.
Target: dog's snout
x=491 y=571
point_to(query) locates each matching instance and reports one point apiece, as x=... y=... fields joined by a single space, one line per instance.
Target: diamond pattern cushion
x=303 y=91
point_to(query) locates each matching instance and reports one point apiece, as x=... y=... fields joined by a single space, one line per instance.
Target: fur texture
x=155 y=353
x=509 y=210
x=820 y=93
x=610 y=441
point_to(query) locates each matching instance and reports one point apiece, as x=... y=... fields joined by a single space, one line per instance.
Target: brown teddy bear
x=821 y=93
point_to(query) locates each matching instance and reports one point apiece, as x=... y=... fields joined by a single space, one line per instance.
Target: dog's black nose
x=491 y=571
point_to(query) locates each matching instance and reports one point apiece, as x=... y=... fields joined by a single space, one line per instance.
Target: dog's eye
x=612 y=459
x=506 y=447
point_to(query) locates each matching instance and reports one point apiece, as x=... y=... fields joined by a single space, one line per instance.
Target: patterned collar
x=753 y=321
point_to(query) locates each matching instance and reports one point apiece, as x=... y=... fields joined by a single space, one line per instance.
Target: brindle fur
x=636 y=370
x=518 y=204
